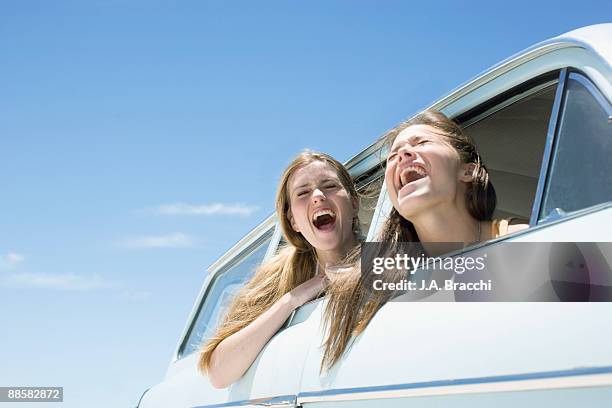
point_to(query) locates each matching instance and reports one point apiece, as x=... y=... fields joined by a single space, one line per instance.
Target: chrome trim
x=569 y=216
x=505 y=66
x=372 y=178
x=548 y=147
x=532 y=230
x=597 y=94
x=274 y=242
x=520 y=58
x=366 y=159
x=573 y=378
x=507 y=102
x=380 y=213
x=246 y=241
x=244 y=253
x=280 y=401
x=141 y=397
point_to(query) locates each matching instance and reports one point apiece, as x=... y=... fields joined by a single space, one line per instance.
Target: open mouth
x=410 y=174
x=324 y=219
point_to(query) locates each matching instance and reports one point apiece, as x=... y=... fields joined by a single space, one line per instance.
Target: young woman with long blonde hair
x=440 y=191
x=316 y=205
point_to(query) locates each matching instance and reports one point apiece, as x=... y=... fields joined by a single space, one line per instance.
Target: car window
x=511 y=135
x=581 y=170
x=221 y=291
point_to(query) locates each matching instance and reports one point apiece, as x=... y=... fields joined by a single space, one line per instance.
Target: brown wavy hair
x=352 y=305
x=293 y=265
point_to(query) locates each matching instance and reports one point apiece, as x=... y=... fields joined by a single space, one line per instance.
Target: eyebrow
x=326 y=180
x=301 y=186
x=416 y=138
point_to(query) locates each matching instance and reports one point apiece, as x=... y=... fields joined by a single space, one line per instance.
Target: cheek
x=390 y=185
x=447 y=166
x=390 y=177
x=297 y=210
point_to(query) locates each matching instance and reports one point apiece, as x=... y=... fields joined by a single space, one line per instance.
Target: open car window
x=221 y=291
x=511 y=138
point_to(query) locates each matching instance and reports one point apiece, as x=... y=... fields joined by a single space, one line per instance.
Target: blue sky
x=140 y=140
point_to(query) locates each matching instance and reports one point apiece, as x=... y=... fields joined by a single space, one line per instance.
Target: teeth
x=416 y=169
x=411 y=169
x=319 y=213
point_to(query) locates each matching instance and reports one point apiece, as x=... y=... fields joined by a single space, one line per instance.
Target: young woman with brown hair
x=440 y=191
x=316 y=205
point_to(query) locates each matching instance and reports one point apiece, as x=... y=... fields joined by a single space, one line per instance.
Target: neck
x=451 y=224
x=334 y=256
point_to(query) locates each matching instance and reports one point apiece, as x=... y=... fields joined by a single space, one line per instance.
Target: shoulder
x=501 y=227
x=516 y=225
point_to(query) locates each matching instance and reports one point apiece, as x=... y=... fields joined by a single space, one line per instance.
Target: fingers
x=316 y=285
x=311 y=288
x=322 y=280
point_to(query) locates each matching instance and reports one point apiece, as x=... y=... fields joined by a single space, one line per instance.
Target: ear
x=466 y=171
x=292 y=221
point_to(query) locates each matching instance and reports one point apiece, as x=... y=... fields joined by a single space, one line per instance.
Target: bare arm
x=235 y=354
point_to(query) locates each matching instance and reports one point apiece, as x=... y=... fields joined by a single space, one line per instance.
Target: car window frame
x=552 y=146
x=481 y=111
x=241 y=251
x=546 y=167
x=545 y=172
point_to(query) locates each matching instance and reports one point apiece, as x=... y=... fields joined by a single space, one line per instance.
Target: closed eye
x=391 y=156
x=302 y=193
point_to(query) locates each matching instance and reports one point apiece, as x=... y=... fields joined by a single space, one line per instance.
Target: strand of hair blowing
x=352 y=303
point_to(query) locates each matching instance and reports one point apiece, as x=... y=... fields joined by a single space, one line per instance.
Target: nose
x=405 y=153
x=317 y=195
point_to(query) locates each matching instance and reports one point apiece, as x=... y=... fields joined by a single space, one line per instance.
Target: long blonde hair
x=352 y=304
x=291 y=266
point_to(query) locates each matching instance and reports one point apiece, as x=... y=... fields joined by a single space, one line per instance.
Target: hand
x=308 y=290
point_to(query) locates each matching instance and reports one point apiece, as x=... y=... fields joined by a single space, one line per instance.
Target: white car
x=542 y=120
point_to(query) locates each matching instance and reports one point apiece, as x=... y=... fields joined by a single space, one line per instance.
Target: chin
x=329 y=244
x=409 y=210
x=409 y=207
